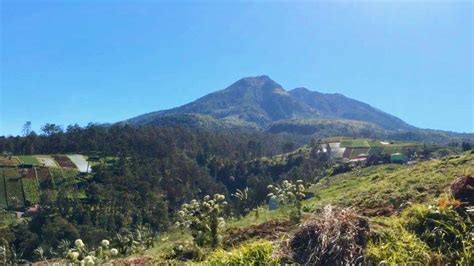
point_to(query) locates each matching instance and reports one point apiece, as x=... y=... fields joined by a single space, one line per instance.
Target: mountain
x=259 y=102
x=339 y=106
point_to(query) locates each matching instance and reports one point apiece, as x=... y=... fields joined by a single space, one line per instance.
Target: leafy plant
x=134 y=241
x=254 y=253
x=396 y=245
x=244 y=200
x=289 y=193
x=80 y=254
x=204 y=219
x=445 y=229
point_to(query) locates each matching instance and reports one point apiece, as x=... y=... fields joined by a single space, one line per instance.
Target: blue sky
x=104 y=61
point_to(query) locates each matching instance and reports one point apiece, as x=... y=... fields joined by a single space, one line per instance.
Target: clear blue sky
x=105 y=61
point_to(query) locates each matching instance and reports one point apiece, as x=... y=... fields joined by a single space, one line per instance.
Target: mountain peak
x=255 y=80
x=300 y=90
x=260 y=101
x=255 y=83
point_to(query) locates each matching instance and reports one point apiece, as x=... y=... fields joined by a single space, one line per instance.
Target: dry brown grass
x=334 y=236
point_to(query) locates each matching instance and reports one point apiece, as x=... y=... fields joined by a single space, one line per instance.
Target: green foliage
x=3 y=192
x=289 y=193
x=243 y=200
x=134 y=241
x=186 y=251
x=396 y=245
x=204 y=219
x=425 y=234
x=253 y=253
x=390 y=186
x=444 y=229
x=14 y=189
x=81 y=254
x=28 y=159
x=31 y=190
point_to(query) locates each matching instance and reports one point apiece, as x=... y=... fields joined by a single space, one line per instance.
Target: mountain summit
x=259 y=101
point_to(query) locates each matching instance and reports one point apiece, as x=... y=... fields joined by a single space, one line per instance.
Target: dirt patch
x=27 y=172
x=270 y=230
x=8 y=160
x=140 y=260
x=382 y=211
x=64 y=161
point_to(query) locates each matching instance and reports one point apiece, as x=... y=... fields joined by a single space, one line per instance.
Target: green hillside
x=379 y=193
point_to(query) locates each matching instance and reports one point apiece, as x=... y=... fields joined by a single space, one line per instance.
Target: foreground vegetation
x=427 y=226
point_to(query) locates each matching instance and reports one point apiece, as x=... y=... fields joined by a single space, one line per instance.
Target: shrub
x=289 y=193
x=396 y=245
x=184 y=251
x=204 y=219
x=332 y=237
x=80 y=254
x=442 y=228
x=254 y=253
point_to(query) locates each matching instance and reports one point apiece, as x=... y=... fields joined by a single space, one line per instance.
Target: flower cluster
x=80 y=255
x=288 y=192
x=203 y=218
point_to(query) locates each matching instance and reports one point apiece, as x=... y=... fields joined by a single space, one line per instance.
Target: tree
x=466 y=146
x=26 y=129
x=51 y=129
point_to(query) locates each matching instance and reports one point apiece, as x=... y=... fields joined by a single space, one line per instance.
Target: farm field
x=80 y=162
x=358 y=151
x=28 y=159
x=14 y=191
x=63 y=161
x=31 y=190
x=3 y=192
x=20 y=185
x=355 y=143
x=47 y=161
x=8 y=160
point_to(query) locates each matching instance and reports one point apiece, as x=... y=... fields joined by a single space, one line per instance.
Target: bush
x=333 y=237
x=443 y=229
x=185 y=251
x=397 y=246
x=204 y=219
x=289 y=194
x=254 y=253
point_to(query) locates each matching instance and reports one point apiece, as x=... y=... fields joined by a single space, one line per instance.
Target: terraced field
x=31 y=190
x=28 y=159
x=3 y=193
x=23 y=177
x=8 y=160
x=14 y=188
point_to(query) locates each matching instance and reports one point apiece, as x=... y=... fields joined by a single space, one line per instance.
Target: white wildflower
x=114 y=252
x=105 y=243
x=79 y=243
